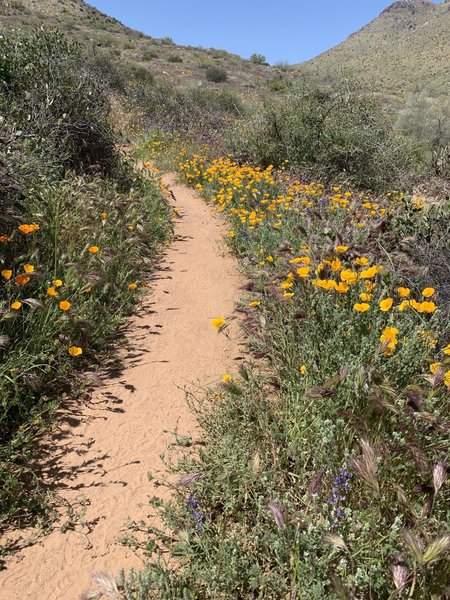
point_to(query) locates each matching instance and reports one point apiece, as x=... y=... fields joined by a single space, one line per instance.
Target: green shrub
x=53 y=105
x=328 y=135
x=277 y=84
x=216 y=74
x=174 y=58
x=200 y=113
x=258 y=59
x=149 y=55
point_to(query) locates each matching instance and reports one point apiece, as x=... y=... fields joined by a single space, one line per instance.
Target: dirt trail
x=104 y=450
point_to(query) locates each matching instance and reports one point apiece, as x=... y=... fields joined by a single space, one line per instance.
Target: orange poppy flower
x=21 y=279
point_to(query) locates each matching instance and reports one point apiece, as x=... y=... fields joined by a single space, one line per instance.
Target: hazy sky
x=289 y=30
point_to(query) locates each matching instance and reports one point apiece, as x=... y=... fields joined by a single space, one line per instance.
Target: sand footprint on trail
x=104 y=449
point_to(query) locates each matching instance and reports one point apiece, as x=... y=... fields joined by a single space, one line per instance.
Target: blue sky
x=287 y=30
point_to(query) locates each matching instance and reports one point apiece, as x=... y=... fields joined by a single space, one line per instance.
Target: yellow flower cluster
x=253 y=197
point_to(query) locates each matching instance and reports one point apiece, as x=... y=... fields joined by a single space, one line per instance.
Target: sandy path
x=104 y=450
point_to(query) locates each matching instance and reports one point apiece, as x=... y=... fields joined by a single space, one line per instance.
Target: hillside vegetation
x=102 y=34
x=406 y=49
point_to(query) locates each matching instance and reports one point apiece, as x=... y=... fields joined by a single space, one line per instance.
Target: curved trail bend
x=102 y=452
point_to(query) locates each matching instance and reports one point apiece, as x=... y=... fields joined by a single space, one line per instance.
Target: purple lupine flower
x=197 y=516
x=339 y=491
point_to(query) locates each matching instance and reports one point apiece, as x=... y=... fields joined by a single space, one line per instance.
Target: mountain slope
x=160 y=57
x=406 y=48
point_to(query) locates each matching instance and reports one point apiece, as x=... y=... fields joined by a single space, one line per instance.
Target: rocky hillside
x=405 y=49
x=160 y=57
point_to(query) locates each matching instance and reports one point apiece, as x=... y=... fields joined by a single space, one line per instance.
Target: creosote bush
x=326 y=135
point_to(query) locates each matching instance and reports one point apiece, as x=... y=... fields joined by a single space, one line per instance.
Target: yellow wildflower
x=362 y=261
x=7 y=274
x=349 y=276
x=403 y=292
x=447 y=378
x=341 y=287
x=301 y=259
x=427 y=307
x=16 y=305
x=365 y=297
x=428 y=292
x=386 y=304
x=369 y=273
x=21 y=279
x=404 y=305
x=303 y=271
x=361 y=306
x=27 y=228
x=75 y=351
x=218 y=322
x=336 y=264
x=389 y=339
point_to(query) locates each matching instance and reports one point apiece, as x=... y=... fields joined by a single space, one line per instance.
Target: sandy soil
x=104 y=449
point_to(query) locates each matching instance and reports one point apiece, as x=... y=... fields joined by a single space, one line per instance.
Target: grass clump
x=323 y=471
x=216 y=74
x=78 y=231
x=174 y=58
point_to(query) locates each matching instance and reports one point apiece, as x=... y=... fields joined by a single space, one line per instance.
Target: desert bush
x=328 y=135
x=277 y=84
x=174 y=58
x=258 y=59
x=200 y=113
x=149 y=55
x=427 y=120
x=216 y=74
x=52 y=104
